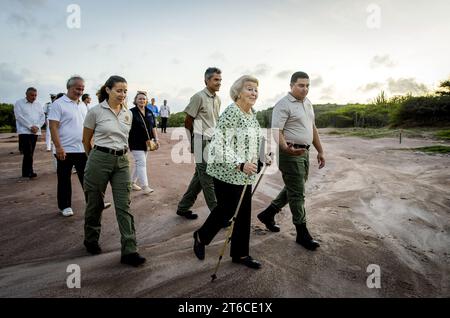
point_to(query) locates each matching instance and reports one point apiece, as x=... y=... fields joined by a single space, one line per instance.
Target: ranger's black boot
x=304 y=238
x=268 y=218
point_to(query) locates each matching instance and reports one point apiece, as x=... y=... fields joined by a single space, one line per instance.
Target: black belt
x=298 y=146
x=111 y=151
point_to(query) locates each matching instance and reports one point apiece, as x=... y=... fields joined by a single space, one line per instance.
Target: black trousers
x=163 y=124
x=228 y=196
x=27 y=144
x=64 y=172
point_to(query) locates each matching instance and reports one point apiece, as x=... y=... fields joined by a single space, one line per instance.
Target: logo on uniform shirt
x=127 y=119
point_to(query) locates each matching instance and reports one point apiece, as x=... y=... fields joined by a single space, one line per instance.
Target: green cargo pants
x=102 y=168
x=200 y=181
x=294 y=171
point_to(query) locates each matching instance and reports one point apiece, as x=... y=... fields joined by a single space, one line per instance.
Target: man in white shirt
x=86 y=99
x=66 y=124
x=47 y=107
x=164 y=111
x=29 y=119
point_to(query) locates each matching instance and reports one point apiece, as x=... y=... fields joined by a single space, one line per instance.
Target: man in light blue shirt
x=153 y=108
x=30 y=118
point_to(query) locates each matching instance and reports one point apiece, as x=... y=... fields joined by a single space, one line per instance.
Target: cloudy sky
x=351 y=49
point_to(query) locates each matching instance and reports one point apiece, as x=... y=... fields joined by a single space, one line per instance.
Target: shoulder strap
x=146 y=129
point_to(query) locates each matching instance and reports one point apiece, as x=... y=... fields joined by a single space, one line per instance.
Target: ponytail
x=102 y=94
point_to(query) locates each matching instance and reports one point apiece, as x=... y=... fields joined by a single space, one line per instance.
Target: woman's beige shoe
x=135 y=187
x=147 y=190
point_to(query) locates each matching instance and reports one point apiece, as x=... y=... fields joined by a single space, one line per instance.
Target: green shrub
x=176 y=120
x=423 y=111
x=440 y=149
x=7 y=119
x=443 y=134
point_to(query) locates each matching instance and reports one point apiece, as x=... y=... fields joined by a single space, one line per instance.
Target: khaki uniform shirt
x=295 y=118
x=110 y=130
x=204 y=107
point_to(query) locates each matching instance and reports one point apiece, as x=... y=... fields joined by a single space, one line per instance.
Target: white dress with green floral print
x=236 y=140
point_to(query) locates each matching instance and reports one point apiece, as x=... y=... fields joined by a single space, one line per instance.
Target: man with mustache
x=202 y=114
x=293 y=120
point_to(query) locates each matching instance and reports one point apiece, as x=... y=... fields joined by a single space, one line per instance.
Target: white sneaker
x=67 y=212
x=135 y=187
x=147 y=190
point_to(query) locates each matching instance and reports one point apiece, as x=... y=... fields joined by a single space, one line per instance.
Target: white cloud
x=396 y=86
x=329 y=90
x=217 y=56
x=31 y=4
x=286 y=74
x=21 y=21
x=406 y=85
x=259 y=70
x=327 y=94
x=13 y=84
x=186 y=93
x=8 y=74
x=270 y=102
x=316 y=80
x=370 y=86
x=382 y=60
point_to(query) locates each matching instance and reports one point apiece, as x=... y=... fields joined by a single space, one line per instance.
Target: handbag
x=151 y=144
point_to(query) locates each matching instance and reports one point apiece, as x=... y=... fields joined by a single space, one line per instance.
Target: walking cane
x=231 y=227
x=262 y=174
x=262 y=158
x=230 y=231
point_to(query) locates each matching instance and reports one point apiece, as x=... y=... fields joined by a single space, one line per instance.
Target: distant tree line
x=397 y=111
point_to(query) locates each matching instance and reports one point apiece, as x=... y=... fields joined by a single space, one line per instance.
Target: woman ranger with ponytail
x=109 y=123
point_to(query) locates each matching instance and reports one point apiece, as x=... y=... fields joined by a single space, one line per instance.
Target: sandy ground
x=372 y=204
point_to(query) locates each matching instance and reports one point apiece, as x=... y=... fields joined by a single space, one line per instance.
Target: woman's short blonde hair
x=137 y=94
x=237 y=86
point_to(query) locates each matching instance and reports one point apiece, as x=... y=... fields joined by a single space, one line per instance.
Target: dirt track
x=372 y=204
